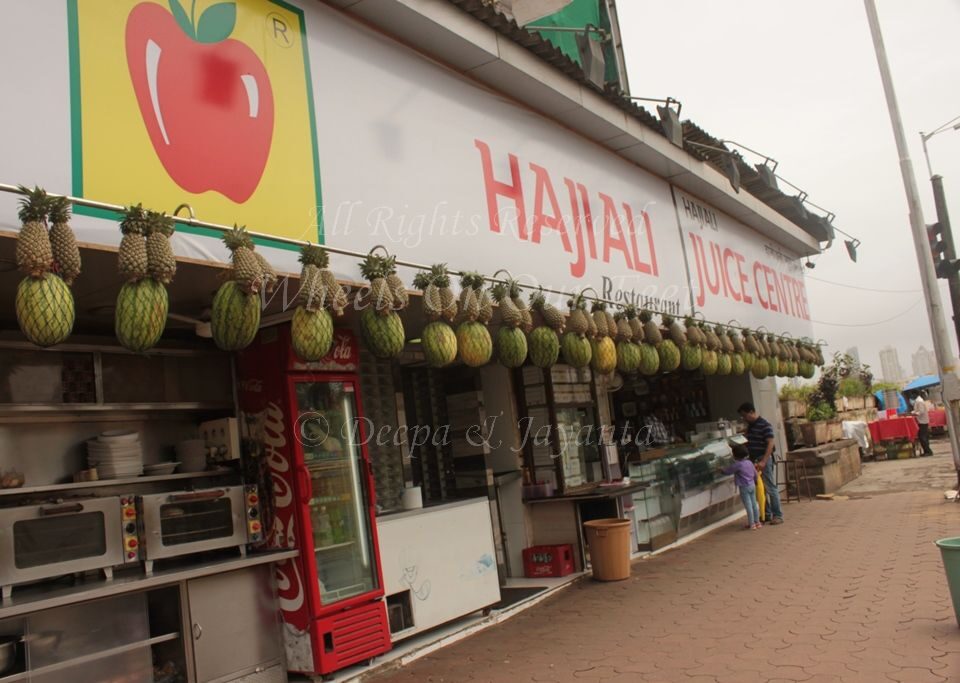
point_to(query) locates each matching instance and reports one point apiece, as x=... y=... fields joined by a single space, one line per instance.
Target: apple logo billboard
x=207 y=103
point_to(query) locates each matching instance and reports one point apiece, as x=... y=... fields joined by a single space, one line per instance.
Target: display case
x=686 y=491
x=338 y=506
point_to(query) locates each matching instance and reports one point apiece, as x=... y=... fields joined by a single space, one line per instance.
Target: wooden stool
x=795 y=471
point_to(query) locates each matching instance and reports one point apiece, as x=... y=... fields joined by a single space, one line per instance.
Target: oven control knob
x=129 y=513
x=254 y=513
x=255 y=527
x=131 y=554
x=132 y=543
x=253 y=498
x=130 y=527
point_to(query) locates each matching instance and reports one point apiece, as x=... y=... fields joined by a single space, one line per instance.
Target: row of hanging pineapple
x=629 y=341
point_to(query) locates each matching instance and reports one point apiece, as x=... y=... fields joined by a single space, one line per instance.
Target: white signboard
x=299 y=122
x=409 y=154
x=737 y=274
x=439 y=169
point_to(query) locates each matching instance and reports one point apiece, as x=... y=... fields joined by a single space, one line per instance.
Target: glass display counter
x=685 y=492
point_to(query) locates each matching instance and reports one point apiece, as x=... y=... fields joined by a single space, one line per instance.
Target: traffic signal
x=943 y=265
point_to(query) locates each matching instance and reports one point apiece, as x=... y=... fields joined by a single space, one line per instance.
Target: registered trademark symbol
x=279 y=30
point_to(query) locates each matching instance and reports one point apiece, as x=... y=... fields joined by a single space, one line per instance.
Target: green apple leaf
x=182 y=18
x=217 y=22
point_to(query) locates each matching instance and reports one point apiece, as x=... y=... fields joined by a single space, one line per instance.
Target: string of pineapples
x=319 y=298
x=438 y=339
x=50 y=261
x=235 y=312
x=511 y=341
x=146 y=263
x=548 y=324
x=380 y=325
x=474 y=343
x=629 y=341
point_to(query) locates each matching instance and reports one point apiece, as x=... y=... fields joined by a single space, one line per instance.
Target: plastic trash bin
x=609 y=542
x=950 y=552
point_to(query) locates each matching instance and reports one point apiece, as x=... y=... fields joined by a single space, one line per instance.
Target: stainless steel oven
x=41 y=541
x=185 y=522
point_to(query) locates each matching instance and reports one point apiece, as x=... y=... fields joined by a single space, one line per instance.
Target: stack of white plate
x=116 y=455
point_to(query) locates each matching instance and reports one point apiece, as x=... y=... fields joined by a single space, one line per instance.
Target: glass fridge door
x=339 y=507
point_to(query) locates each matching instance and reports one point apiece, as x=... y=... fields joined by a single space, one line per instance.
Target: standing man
x=761 y=445
x=923 y=421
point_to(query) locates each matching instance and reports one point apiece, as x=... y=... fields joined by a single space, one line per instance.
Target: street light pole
x=928 y=277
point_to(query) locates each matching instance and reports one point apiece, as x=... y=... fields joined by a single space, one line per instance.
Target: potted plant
x=817 y=431
x=793 y=400
x=851 y=392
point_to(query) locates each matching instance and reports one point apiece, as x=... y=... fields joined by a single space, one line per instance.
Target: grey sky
x=803 y=87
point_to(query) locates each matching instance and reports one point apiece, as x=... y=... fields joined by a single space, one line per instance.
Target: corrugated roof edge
x=750 y=180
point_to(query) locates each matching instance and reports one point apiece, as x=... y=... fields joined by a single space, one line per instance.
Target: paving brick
x=846 y=591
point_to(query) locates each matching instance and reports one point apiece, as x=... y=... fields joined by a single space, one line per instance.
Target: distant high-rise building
x=854 y=353
x=890 y=365
x=924 y=362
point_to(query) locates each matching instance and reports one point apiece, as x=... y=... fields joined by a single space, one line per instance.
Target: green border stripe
x=313 y=115
x=76 y=124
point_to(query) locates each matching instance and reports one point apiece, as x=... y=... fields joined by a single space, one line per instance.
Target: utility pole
x=928 y=276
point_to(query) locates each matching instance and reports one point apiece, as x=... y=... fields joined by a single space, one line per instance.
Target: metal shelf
x=84 y=659
x=335 y=546
x=51 y=488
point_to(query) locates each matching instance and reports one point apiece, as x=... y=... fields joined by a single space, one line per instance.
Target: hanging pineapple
x=380 y=324
x=649 y=358
x=44 y=303
x=651 y=331
x=473 y=337
x=448 y=301
x=311 y=329
x=438 y=339
x=511 y=342
x=636 y=326
x=235 y=315
x=575 y=345
x=526 y=317
x=398 y=291
x=773 y=360
x=667 y=349
x=66 y=253
x=628 y=352
x=687 y=340
x=603 y=352
x=142 y=303
x=335 y=297
x=544 y=339
x=693 y=331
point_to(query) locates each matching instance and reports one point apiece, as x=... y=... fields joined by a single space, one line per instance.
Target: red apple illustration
x=205 y=99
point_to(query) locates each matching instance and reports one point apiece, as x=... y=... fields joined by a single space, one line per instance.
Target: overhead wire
x=873 y=324
x=865 y=289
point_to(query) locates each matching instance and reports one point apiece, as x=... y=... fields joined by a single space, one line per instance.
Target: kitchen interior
x=131 y=539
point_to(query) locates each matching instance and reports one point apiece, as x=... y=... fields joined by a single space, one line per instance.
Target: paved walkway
x=845 y=590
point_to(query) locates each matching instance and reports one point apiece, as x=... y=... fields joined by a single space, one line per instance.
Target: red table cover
x=938 y=418
x=894 y=428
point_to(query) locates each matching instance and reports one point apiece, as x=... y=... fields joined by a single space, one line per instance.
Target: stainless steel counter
x=36 y=598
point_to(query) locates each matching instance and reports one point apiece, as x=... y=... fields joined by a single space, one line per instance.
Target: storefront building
x=378 y=497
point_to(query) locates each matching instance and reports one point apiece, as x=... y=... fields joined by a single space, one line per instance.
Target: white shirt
x=920 y=410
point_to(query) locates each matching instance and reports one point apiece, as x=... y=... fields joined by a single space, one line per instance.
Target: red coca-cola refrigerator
x=302 y=428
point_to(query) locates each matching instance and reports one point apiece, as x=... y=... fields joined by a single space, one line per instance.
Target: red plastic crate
x=547 y=560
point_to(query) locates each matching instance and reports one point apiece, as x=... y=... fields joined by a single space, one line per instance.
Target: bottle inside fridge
x=329 y=436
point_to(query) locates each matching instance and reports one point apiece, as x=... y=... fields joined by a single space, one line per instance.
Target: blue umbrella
x=923 y=382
